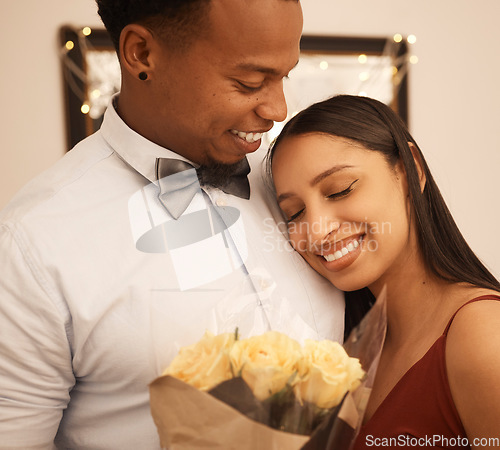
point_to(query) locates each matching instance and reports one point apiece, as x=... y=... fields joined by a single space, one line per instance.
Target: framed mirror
x=329 y=65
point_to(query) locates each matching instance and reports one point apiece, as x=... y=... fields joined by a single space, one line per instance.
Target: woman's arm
x=473 y=364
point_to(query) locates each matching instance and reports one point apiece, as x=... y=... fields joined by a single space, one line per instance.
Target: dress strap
x=477 y=299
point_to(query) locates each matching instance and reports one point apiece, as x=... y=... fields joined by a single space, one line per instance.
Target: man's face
x=211 y=102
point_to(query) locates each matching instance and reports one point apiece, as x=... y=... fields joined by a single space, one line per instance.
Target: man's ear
x=135 y=50
x=418 y=164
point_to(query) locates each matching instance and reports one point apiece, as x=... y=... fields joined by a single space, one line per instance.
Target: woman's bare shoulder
x=473 y=365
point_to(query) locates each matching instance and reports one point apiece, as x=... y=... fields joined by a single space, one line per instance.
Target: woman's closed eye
x=295 y=216
x=335 y=196
x=344 y=192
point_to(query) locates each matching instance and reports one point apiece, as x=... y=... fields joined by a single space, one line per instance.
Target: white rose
x=204 y=364
x=266 y=362
x=327 y=373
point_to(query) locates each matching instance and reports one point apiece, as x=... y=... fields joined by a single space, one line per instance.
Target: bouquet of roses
x=267 y=391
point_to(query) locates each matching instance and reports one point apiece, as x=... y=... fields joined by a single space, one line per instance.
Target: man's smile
x=250 y=137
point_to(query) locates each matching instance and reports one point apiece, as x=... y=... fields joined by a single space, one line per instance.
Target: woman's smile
x=341 y=254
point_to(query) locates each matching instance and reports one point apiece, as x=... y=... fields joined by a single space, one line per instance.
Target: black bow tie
x=179 y=182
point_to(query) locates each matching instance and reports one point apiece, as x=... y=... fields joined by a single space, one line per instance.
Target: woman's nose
x=321 y=231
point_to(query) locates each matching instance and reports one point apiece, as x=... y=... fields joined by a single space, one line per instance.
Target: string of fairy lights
x=100 y=74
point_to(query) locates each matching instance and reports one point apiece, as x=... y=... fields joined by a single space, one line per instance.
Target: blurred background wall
x=454 y=92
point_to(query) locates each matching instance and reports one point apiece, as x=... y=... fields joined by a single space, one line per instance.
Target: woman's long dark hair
x=377 y=127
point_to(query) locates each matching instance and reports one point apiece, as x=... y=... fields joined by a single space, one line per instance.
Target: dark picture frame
x=352 y=45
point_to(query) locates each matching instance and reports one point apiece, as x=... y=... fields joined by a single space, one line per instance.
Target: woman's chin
x=349 y=283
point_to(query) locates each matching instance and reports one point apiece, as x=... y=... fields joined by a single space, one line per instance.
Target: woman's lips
x=342 y=253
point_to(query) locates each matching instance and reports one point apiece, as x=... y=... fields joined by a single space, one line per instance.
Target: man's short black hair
x=178 y=22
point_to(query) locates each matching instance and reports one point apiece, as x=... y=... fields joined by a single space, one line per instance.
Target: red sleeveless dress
x=419 y=411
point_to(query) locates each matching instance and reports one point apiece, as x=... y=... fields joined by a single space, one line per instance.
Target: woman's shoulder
x=475 y=321
x=473 y=362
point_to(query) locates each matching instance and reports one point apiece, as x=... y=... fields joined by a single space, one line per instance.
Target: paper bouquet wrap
x=268 y=391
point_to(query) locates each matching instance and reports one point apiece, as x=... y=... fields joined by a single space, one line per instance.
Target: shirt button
x=264 y=284
x=221 y=202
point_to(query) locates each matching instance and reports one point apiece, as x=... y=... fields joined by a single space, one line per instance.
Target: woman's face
x=346 y=208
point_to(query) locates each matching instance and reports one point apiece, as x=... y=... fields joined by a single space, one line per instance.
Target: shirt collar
x=137 y=151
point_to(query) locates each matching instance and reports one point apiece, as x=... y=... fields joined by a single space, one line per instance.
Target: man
x=108 y=269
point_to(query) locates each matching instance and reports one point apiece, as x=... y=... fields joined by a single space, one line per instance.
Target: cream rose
x=266 y=362
x=327 y=373
x=204 y=364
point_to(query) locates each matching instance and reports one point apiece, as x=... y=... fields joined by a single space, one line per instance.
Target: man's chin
x=226 y=159
x=216 y=173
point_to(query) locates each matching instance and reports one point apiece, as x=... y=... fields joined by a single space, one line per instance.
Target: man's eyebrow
x=317 y=179
x=250 y=67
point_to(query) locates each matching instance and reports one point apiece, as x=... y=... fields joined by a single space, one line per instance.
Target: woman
x=364 y=211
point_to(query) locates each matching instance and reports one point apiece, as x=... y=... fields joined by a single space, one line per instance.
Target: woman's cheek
x=298 y=242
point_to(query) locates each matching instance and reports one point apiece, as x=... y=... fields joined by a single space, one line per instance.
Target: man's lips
x=249 y=137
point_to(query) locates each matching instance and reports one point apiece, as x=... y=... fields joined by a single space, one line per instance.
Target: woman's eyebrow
x=329 y=172
x=284 y=196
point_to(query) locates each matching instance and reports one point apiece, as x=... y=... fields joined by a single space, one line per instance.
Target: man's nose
x=273 y=104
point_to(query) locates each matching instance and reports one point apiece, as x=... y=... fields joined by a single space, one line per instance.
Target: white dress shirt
x=93 y=306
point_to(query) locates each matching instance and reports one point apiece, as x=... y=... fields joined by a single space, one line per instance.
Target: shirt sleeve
x=35 y=356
